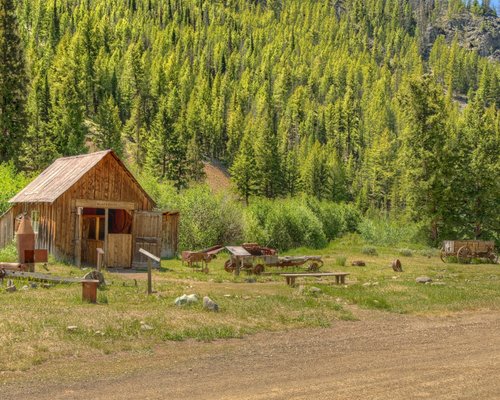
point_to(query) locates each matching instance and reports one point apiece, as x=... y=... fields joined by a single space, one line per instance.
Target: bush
x=385 y=231
x=10 y=184
x=369 y=251
x=405 y=252
x=340 y=261
x=283 y=224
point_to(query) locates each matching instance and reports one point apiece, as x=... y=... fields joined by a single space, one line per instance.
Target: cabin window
x=35 y=220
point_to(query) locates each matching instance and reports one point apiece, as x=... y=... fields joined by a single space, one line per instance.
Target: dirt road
x=382 y=356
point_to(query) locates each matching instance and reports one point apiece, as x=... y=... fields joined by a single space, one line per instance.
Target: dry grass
x=34 y=322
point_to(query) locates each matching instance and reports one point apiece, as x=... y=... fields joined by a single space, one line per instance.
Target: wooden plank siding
x=170 y=234
x=7 y=228
x=107 y=184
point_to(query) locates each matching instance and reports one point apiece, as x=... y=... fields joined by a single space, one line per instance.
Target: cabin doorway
x=110 y=230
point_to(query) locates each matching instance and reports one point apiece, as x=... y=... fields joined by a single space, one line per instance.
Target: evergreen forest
x=337 y=103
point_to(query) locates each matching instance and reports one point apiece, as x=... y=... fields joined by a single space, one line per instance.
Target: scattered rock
x=33 y=285
x=11 y=289
x=314 y=290
x=250 y=280
x=227 y=295
x=146 y=327
x=179 y=301
x=423 y=279
x=191 y=299
x=99 y=333
x=72 y=328
x=358 y=263
x=396 y=266
x=26 y=287
x=209 y=304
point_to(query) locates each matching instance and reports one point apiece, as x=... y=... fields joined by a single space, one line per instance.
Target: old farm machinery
x=201 y=258
x=252 y=258
x=466 y=250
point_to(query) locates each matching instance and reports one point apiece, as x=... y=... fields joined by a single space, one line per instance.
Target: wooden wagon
x=466 y=250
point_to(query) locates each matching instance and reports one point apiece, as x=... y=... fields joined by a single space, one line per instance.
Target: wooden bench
x=339 y=276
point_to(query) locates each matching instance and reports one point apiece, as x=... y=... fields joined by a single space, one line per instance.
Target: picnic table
x=339 y=276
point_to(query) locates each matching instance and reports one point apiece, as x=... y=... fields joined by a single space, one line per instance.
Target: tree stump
x=396 y=266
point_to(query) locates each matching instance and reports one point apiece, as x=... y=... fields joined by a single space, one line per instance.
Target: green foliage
x=340 y=261
x=387 y=231
x=405 y=252
x=13 y=84
x=10 y=184
x=369 y=251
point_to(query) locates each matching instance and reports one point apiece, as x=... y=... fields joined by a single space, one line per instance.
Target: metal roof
x=61 y=175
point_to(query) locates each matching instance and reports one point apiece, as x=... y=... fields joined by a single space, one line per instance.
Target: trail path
x=382 y=356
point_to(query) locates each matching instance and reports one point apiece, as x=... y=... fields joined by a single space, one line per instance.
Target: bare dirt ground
x=381 y=356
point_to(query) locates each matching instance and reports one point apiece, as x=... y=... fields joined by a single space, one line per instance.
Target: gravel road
x=382 y=356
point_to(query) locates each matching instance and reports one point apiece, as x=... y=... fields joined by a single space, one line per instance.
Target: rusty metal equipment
x=200 y=259
x=25 y=238
x=466 y=250
x=254 y=259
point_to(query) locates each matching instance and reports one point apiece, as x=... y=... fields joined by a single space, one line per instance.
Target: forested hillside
x=343 y=100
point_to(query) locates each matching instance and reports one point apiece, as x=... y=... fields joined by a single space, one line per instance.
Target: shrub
x=385 y=231
x=340 y=261
x=405 y=252
x=369 y=251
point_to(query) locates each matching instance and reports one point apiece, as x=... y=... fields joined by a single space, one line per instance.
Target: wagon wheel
x=229 y=266
x=493 y=257
x=443 y=256
x=258 y=269
x=464 y=254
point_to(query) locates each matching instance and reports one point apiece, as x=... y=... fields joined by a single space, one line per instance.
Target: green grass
x=34 y=322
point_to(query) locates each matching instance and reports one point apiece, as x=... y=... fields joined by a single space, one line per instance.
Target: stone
x=146 y=327
x=250 y=280
x=314 y=290
x=72 y=328
x=423 y=279
x=26 y=287
x=191 y=299
x=11 y=289
x=209 y=304
x=33 y=285
x=358 y=263
x=179 y=301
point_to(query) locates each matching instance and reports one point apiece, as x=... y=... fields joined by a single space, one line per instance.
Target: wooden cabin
x=82 y=203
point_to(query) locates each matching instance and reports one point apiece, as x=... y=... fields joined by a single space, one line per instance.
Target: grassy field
x=33 y=324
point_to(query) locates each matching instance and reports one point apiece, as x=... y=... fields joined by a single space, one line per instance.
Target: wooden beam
x=106 y=230
x=78 y=244
x=118 y=205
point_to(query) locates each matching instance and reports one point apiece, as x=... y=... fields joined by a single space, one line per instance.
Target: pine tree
x=13 y=84
x=424 y=158
x=108 y=131
x=243 y=169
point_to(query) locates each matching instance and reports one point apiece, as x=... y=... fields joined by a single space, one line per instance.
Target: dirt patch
x=379 y=357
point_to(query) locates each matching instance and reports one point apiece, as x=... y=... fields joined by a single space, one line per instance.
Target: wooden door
x=147 y=234
x=119 y=250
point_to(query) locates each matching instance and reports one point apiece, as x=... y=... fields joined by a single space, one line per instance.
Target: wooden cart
x=466 y=250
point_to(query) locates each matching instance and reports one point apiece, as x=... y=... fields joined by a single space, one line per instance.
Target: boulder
x=179 y=301
x=358 y=263
x=209 y=304
x=11 y=289
x=423 y=279
x=191 y=299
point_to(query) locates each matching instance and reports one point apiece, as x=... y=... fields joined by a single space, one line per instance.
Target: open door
x=147 y=234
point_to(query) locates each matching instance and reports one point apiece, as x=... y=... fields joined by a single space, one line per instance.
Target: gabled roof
x=61 y=175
